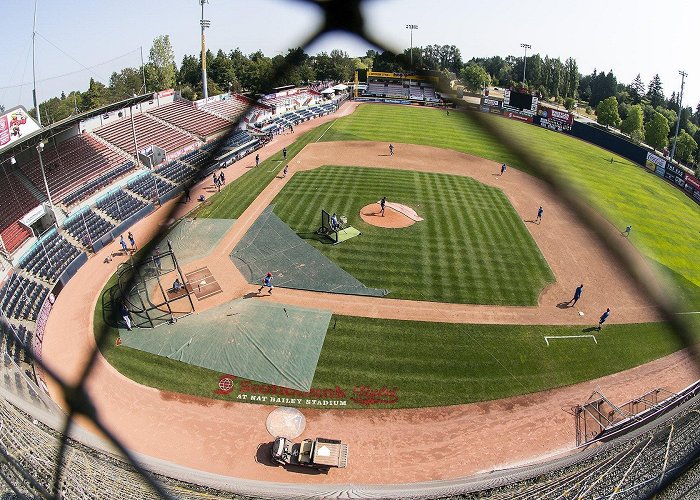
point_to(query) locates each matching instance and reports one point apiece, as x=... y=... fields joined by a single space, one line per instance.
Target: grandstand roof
x=34 y=138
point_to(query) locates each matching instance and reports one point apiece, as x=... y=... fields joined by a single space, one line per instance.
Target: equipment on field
x=319 y=453
x=336 y=229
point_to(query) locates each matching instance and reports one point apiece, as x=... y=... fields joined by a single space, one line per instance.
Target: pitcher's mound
x=372 y=214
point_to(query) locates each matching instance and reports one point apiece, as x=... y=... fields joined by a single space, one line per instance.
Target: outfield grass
x=665 y=222
x=472 y=246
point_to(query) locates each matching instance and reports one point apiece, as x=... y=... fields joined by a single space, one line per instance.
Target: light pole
x=525 y=46
x=680 y=112
x=205 y=23
x=39 y=149
x=411 y=27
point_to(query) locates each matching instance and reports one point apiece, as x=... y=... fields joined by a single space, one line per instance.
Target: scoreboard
x=520 y=102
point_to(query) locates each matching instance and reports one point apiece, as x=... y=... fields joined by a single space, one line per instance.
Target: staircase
x=36 y=192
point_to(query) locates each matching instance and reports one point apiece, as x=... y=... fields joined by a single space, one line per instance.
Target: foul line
x=324 y=132
x=690 y=312
x=275 y=167
x=570 y=337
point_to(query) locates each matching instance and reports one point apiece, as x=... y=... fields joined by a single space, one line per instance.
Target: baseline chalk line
x=546 y=339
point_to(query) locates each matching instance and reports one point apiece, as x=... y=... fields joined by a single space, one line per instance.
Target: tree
x=571 y=77
x=637 y=89
x=126 y=83
x=96 y=95
x=657 y=131
x=685 y=146
x=634 y=123
x=607 y=112
x=161 y=60
x=474 y=77
x=190 y=72
x=222 y=72
x=669 y=114
x=602 y=86
x=656 y=91
x=570 y=103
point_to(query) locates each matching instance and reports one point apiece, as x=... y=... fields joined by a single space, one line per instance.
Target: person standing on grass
x=577 y=295
x=603 y=318
x=257 y=159
x=627 y=231
x=503 y=169
x=284 y=153
x=391 y=150
x=132 y=240
x=382 y=203
x=540 y=211
x=123 y=244
x=266 y=282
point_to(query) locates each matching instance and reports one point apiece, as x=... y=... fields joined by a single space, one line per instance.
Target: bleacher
x=87 y=226
x=71 y=164
x=183 y=115
x=49 y=257
x=120 y=205
x=176 y=171
x=16 y=201
x=150 y=186
x=149 y=132
x=22 y=297
x=239 y=140
x=97 y=184
x=300 y=99
x=233 y=107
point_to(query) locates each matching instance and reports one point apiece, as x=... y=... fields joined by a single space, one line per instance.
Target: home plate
x=580 y=313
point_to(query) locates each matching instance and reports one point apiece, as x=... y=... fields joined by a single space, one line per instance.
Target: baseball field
x=473 y=248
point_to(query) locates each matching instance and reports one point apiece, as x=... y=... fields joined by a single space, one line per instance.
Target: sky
x=80 y=39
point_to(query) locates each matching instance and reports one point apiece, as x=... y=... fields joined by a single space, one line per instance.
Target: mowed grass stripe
x=665 y=222
x=463 y=252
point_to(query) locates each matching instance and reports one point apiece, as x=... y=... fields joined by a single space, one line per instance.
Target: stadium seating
x=120 y=205
x=176 y=171
x=87 y=227
x=49 y=257
x=16 y=201
x=149 y=131
x=150 y=186
x=97 y=184
x=239 y=140
x=233 y=107
x=71 y=164
x=22 y=298
x=183 y=115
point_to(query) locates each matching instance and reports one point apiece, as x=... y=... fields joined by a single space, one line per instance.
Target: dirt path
x=456 y=441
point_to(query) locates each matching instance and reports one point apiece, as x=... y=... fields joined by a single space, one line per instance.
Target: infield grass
x=472 y=246
x=665 y=222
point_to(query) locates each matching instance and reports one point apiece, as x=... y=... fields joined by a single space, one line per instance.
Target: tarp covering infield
x=270 y=245
x=193 y=239
x=253 y=339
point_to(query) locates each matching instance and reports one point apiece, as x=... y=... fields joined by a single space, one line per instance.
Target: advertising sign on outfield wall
x=556 y=115
x=654 y=161
x=517 y=116
x=660 y=171
x=691 y=183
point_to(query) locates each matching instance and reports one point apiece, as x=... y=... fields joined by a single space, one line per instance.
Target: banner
x=676 y=170
x=15 y=124
x=654 y=161
x=556 y=115
x=517 y=116
x=660 y=171
x=678 y=180
x=691 y=184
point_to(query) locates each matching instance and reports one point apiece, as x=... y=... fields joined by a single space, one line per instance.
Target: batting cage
x=270 y=245
x=155 y=293
x=336 y=228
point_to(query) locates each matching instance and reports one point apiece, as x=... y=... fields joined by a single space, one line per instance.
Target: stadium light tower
x=525 y=46
x=680 y=113
x=36 y=103
x=205 y=23
x=411 y=27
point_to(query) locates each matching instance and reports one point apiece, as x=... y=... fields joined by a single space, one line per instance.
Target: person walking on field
x=540 y=211
x=125 y=314
x=391 y=150
x=577 y=295
x=284 y=172
x=503 y=169
x=257 y=160
x=222 y=179
x=123 y=244
x=266 y=282
x=627 y=231
x=132 y=240
x=382 y=203
x=603 y=318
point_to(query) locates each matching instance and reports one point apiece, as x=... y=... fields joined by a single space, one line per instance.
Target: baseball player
x=539 y=215
x=267 y=282
x=503 y=169
x=603 y=318
x=627 y=232
x=391 y=150
x=381 y=205
x=577 y=295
